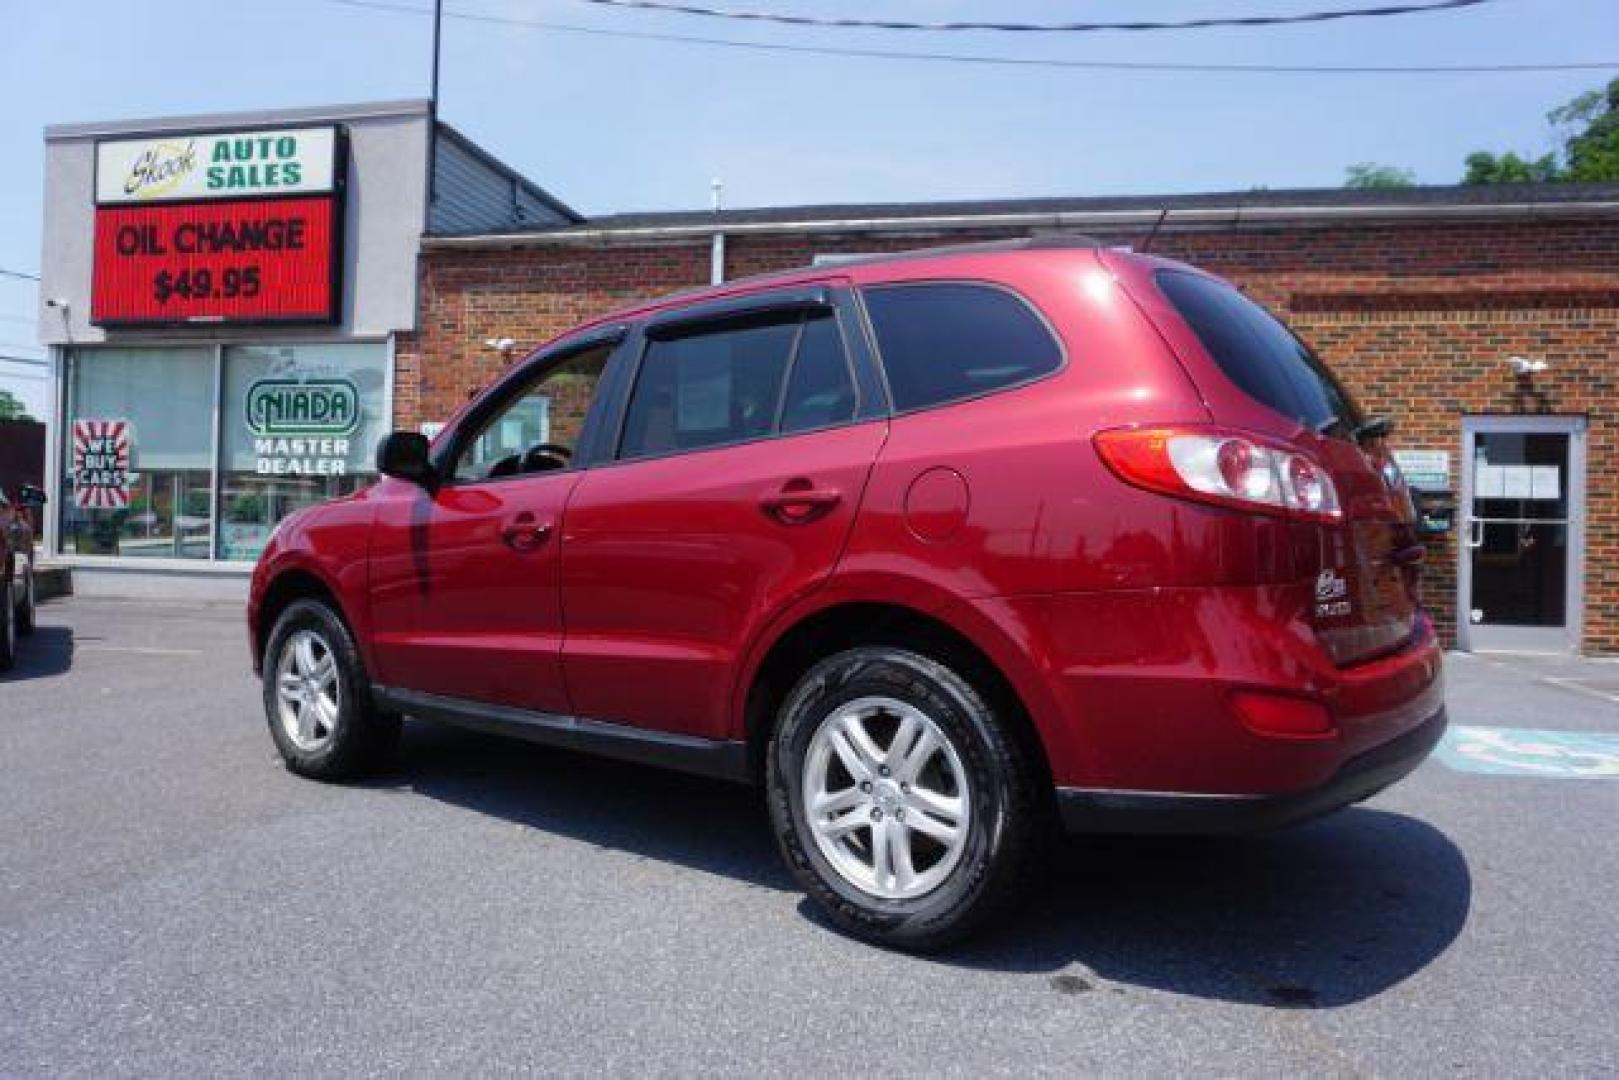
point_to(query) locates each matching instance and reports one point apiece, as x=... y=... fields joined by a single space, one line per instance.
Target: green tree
x=1593 y=149
x=1484 y=167
x=11 y=408
x=1589 y=126
x=1369 y=174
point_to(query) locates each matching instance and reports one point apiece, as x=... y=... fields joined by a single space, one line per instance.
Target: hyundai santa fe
x=942 y=549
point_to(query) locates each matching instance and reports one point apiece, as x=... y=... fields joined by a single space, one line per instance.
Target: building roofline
x=499 y=166
x=1319 y=207
x=225 y=121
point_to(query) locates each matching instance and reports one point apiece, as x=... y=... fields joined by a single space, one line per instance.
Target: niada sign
x=223 y=165
x=290 y=407
x=302 y=428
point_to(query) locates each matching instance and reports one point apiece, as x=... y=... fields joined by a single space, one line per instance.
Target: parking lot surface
x=172 y=901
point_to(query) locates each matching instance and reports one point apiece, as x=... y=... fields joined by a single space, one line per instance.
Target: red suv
x=939 y=548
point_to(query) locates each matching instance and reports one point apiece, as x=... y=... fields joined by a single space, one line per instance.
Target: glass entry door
x=1523 y=504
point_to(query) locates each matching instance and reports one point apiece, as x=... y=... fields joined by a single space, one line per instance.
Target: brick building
x=1484 y=321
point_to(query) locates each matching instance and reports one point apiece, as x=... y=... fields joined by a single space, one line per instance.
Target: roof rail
x=1040 y=241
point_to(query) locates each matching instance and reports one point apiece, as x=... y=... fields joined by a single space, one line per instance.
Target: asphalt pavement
x=173 y=902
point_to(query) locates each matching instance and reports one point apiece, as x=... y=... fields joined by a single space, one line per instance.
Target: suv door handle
x=524 y=533
x=799 y=501
x=1410 y=555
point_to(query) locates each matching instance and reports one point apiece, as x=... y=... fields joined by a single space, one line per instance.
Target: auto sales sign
x=219 y=227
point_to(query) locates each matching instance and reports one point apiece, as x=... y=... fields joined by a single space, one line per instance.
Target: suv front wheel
x=26 y=606
x=8 y=627
x=317 y=697
x=901 y=802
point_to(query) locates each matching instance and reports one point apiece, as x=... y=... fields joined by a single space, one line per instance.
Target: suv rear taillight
x=1227 y=468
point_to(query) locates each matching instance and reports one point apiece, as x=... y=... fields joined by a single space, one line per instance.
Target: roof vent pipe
x=716 y=254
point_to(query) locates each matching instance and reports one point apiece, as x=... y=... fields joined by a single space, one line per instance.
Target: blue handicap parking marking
x=1558 y=755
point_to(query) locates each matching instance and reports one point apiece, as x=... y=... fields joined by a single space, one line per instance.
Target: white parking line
x=139 y=650
x=1575 y=685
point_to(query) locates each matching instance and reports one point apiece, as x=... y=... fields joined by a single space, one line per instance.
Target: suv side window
x=1259 y=353
x=821 y=391
x=725 y=385
x=945 y=341
x=537 y=429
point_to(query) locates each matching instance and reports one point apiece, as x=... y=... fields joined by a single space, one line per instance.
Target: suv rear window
x=724 y=385
x=942 y=342
x=708 y=389
x=1259 y=353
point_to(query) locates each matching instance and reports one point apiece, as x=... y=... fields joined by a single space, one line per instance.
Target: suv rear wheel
x=900 y=801
x=318 y=700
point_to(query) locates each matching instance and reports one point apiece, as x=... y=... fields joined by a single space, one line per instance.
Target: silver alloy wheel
x=309 y=695
x=886 y=798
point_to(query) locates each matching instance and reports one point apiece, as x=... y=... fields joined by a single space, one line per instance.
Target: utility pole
x=432 y=107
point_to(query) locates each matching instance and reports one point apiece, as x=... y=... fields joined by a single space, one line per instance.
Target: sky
x=609 y=124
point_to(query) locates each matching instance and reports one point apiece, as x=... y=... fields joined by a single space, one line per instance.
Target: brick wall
x=1417 y=319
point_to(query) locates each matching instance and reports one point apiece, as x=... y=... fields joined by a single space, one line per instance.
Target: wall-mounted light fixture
x=1523 y=366
x=505 y=346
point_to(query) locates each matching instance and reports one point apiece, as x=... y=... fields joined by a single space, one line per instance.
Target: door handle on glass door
x=1475 y=532
x=524 y=533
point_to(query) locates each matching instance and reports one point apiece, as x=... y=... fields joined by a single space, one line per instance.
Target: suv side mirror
x=403 y=455
x=29 y=495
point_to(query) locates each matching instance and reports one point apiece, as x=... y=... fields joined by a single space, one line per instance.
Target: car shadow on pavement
x=708 y=825
x=46 y=652
x=1313 y=917
x=1317 y=916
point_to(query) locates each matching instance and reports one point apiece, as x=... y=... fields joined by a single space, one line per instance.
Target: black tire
x=361 y=738
x=999 y=861
x=8 y=629
x=25 y=609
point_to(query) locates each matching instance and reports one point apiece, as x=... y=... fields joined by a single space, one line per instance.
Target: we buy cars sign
x=101 y=464
x=240 y=227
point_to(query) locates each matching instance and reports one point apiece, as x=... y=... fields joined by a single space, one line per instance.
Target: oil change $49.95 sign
x=225 y=227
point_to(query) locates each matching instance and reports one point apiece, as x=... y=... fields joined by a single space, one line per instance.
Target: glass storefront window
x=300 y=425
x=138 y=469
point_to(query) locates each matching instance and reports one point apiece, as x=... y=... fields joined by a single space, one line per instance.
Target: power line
x=18 y=274
x=787 y=19
x=33 y=360
x=996 y=61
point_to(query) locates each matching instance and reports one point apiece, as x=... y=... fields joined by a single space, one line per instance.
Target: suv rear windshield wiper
x=1326 y=427
x=1378 y=427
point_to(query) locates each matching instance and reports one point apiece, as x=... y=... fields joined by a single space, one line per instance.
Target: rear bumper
x=1144 y=690
x=1098 y=811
